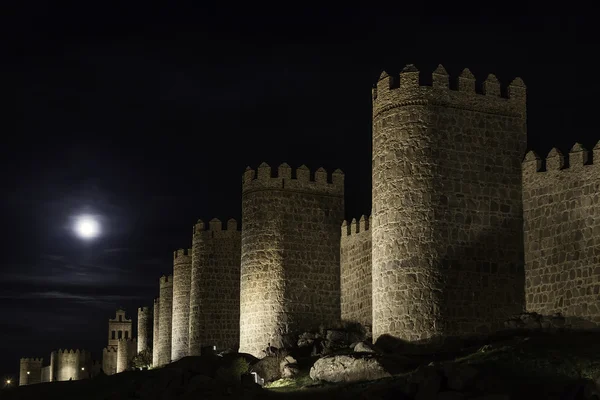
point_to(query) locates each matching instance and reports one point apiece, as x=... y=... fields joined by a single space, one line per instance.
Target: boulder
x=348 y=368
x=288 y=367
x=362 y=347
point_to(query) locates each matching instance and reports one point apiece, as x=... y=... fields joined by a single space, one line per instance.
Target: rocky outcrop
x=348 y=368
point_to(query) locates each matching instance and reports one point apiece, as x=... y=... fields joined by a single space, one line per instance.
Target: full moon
x=87 y=227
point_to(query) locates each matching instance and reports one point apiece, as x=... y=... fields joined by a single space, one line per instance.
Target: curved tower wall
x=30 y=371
x=215 y=291
x=165 y=320
x=109 y=360
x=126 y=350
x=182 y=270
x=144 y=329
x=290 y=270
x=447 y=238
x=155 y=331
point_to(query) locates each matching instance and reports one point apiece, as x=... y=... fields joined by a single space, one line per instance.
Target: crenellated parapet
x=30 y=370
x=182 y=253
x=300 y=179
x=577 y=160
x=166 y=280
x=403 y=89
x=215 y=228
x=352 y=227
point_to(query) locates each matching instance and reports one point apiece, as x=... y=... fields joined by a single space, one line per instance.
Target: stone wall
x=290 y=270
x=46 y=373
x=215 y=292
x=447 y=210
x=30 y=371
x=155 y=331
x=165 y=320
x=144 y=329
x=182 y=270
x=355 y=271
x=126 y=350
x=71 y=365
x=109 y=360
x=561 y=206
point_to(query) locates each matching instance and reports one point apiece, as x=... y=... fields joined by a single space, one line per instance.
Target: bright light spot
x=82 y=368
x=8 y=381
x=28 y=372
x=87 y=227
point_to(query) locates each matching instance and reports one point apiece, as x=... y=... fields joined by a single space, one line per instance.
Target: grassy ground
x=537 y=366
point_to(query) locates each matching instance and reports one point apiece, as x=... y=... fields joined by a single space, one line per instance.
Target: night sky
x=148 y=118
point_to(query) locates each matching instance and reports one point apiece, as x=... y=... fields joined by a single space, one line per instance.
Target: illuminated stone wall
x=290 y=263
x=144 y=329
x=155 y=331
x=447 y=210
x=30 y=371
x=165 y=320
x=126 y=350
x=182 y=271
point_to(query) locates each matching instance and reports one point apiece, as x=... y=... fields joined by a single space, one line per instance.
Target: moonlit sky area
x=146 y=118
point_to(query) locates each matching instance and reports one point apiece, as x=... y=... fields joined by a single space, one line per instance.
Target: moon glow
x=86 y=227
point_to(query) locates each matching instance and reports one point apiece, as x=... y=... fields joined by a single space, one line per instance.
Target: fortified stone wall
x=355 y=267
x=126 y=350
x=144 y=329
x=290 y=270
x=447 y=211
x=215 y=291
x=96 y=368
x=71 y=364
x=30 y=371
x=165 y=320
x=109 y=360
x=155 y=331
x=182 y=272
x=46 y=373
x=561 y=206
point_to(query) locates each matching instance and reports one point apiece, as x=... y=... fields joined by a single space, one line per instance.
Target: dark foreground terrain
x=563 y=365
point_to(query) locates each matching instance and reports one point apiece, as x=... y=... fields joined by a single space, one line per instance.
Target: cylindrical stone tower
x=144 y=329
x=215 y=290
x=165 y=320
x=290 y=275
x=30 y=371
x=155 y=331
x=126 y=350
x=182 y=269
x=447 y=235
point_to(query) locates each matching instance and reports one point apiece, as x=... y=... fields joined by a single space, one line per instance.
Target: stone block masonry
x=71 y=364
x=126 y=350
x=165 y=320
x=155 y=331
x=145 y=321
x=215 y=286
x=182 y=271
x=561 y=206
x=30 y=371
x=447 y=212
x=355 y=271
x=109 y=360
x=290 y=271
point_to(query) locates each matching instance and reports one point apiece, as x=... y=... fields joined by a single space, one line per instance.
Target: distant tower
x=30 y=371
x=447 y=225
x=119 y=328
x=144 y=328
x=215 y=292
x=109 y=360
x=126 y=350
x=165 y=321
x=155 y=331
x=182 y=270
x=290 y=267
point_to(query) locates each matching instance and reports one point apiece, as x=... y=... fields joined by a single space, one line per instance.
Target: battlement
x=125 y=340
x=32 y=360
x=264 y=178
x=70 y=351
x=157 y=301
x=143 y=310
x=405 y=88
x=215 y=228
x=355 y=227
x=182 y=252
x=109 y=349
x=578 y=158
x=166 y=280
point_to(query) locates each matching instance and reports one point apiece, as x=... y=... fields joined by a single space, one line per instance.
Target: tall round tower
x=182 y=270
x=165 y=320
x=447 y=239
x=155 y=331
x=126 y=350
x=30 y=371
x=290 y=271
x=144 y=329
